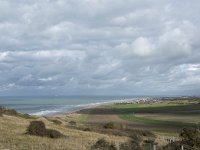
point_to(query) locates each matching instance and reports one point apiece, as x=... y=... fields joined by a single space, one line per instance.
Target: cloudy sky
x=75 y=47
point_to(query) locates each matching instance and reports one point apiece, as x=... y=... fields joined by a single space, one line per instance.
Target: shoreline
x=87 y=106
x=142 y=100
x=71 y=109
x=104 y=104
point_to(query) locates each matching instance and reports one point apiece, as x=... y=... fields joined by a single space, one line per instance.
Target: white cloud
x=175 y=42
x=139 y=47
x=142 y=47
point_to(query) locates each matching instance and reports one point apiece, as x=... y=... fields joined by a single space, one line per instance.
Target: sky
x=99 y=47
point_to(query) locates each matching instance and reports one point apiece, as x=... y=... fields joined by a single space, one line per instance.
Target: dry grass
x=13 y=136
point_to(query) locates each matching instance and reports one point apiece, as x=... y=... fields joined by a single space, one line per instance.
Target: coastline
x=106 y=104
x=142 y=100
x=69 y=108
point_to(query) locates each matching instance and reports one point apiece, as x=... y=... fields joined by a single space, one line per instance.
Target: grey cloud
x=99 y=47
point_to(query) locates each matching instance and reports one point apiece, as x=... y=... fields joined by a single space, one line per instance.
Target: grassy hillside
x=13 y=129
x=152 y=122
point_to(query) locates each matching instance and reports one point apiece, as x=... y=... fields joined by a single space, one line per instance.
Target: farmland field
x=162 y=116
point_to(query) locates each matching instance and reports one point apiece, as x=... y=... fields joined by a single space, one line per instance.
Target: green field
x=162 y=116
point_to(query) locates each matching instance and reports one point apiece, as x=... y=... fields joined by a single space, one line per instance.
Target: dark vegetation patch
x=53 y=133
x=109 y=125
x=10 y=112
x=73 y=123
x=173 y=146
x=137 y=142
x=13 y=112
x=86 y=129
x=134 y=143
x=38 y=128
x=190 y=140
x=140 y=140
x=191 y=137
x=102 y=144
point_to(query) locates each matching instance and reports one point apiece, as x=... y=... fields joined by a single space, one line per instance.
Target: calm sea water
x=47 y=105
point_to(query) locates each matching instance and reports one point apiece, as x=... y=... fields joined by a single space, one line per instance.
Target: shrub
x=112 y=147
x=38 y=128
x=102 y=144
x=53 y=133
x=6 y=111
x=136 y=139
x=173 y=146
x=109 y=125
x=133 y=144
x=149 y=144
x=1 y=111
x=126 y=146
x=87 y=129
x=148 y=133
x=73 y=123
x=11 y=112
x=191 y=137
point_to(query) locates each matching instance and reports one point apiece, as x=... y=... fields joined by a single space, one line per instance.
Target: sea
x=49 y=105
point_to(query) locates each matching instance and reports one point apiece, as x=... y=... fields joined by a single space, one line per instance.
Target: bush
x=6 y=111
x=150 y=141
x=126 y=146
x=1 y=113
x=53 y=133
x=148 y=133
x=38 y=128
x=102 y=144
x=73 y=123
x=136 y=139
x=134 y=143
x=173 y=146
x=87 y=129
x=11 y=112
x=149 y=144
x=109 y=125
x=191 y=137
x=129 y=146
